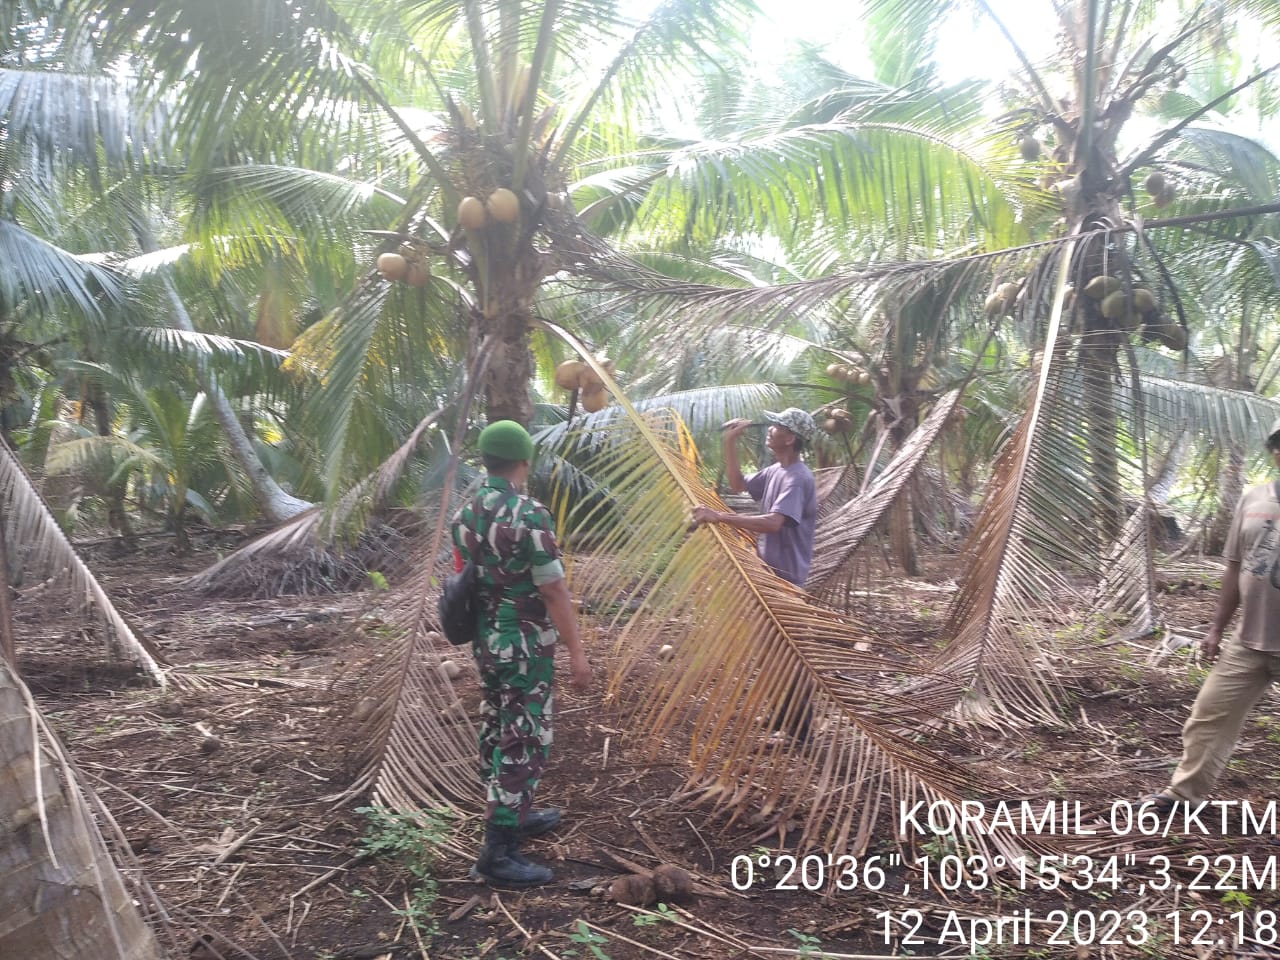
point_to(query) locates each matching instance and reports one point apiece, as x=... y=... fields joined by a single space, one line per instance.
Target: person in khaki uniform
x=1250 y=661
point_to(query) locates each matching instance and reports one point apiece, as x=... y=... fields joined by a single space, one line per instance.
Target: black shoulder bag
x=460 y=605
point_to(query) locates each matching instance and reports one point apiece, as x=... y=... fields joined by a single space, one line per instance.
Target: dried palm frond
x=420 y=745
x=750 y=653
x=841 y=533
x=309 y=540
x=37 y=546
x=1128 y=584
x=1027 y=533
x=836 y=487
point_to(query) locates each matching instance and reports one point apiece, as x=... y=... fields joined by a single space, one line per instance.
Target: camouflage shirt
x=512 y=537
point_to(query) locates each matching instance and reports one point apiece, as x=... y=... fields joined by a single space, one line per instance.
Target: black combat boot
x=500 y=862
x=539 y=821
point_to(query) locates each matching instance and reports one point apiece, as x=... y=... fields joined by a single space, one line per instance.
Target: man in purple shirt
x=785 y=490
x=788 y=499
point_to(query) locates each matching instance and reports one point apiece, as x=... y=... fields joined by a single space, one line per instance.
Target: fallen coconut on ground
x=633 y=890
x=672 y=884
x=450 y=669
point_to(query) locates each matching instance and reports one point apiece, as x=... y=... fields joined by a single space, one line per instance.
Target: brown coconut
x=593 y=401
x=633 y=890
x=1102 y=286
x=672 y=884
x=392 y=266
x=418 y=274
x=569 y=373
x=503 y=206
x=450 y=669
x=471 y=213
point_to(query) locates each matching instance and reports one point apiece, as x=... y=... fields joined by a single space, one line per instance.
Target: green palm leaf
x=35 y=271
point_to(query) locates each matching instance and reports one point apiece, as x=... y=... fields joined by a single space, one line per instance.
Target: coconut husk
x=633 y=890
x=672 y=884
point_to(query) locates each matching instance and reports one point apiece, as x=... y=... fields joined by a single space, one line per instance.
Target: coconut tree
x=505 y=205
x=63 y=895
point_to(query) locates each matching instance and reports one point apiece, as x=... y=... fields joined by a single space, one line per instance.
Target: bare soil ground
x=222 y=794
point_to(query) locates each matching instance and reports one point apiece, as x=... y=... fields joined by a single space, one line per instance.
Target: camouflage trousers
x=515 y=719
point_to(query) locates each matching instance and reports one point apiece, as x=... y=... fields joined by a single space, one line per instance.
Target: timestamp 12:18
x=1202 y=928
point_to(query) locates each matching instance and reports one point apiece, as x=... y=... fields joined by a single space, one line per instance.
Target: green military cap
x=506 y=439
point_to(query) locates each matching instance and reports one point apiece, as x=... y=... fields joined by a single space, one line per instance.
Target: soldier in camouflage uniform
x=511 y=536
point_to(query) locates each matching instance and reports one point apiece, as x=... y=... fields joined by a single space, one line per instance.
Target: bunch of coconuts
x=1002 y=301
x=500 y=207
x=408 y=264
x=848 y=373
x=1135 y=309
x=666 y=883
x=576 y=375
x=838 y=421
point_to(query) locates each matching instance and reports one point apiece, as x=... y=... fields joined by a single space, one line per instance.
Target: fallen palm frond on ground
x=36 y=545
x=304 y=555
x=841 y=532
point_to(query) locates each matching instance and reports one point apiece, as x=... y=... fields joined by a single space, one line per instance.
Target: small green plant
x=588 y=938
x=809 y=945
x=660 y=913
x=378 y=580
x=1237 y=899
x=412 y=840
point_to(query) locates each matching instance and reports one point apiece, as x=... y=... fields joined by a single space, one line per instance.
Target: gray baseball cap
x=794 y=419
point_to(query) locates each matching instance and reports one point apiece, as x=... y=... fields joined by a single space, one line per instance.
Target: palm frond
x=36 y=271
x=743 y=638
x=62 y=816
x=316 y=531
x=748 y=651
x=38 y=544
x=841 y=532
x=1234 y=416
x=994 y=655
x=71 y=121
x=1127 y=588
x=855 y=174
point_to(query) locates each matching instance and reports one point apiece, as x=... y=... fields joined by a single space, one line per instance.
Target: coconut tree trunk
x=117 y=516
x=276 y=504
x=902 y=528
x=7 y=647
x=507 y=276
x=1230 y=487
x=61 y=897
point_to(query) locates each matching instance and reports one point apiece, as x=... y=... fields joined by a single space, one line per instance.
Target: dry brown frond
x=37 y=545
x=841 y=533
